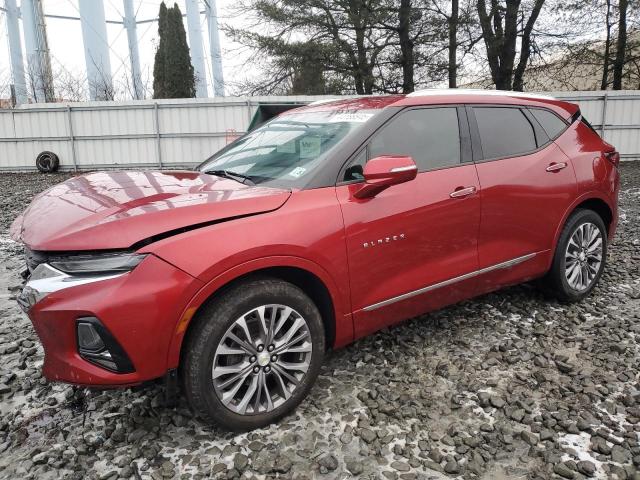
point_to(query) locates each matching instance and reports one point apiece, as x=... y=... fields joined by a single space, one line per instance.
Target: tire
x=562 y=283
x=47 y=162
x=211 y=346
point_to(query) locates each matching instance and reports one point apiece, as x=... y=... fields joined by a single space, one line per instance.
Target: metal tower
x=195 y=46
x=38 y=83
x=15 y=50
x=96 y=49
x=214 y=48
x=35 y=39
x=134 y=57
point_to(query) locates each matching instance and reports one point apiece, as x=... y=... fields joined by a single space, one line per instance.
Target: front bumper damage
x=107 y=330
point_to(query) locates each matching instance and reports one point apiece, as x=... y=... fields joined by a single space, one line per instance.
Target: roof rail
x=324 y=100
x=477 y=91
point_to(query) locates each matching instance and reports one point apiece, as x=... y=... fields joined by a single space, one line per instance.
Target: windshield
x=286 y=150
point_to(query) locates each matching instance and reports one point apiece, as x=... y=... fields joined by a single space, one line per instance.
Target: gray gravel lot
x=509 y=385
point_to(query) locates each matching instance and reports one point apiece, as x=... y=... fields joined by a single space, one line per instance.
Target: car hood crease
x=115 y=210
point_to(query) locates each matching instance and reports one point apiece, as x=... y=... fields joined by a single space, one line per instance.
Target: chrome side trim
x=466 y=276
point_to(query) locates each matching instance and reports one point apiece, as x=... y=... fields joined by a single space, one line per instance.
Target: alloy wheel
x=583 y=256
x=262 y=359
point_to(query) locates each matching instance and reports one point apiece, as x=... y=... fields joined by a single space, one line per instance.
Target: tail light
x=613 y=157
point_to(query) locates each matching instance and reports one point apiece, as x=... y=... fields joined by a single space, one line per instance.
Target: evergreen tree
x=173 y=75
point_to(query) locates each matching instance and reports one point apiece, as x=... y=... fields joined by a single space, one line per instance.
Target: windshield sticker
x=297 y=172
x=354 y=117
x=287 y=147
x=310 y=147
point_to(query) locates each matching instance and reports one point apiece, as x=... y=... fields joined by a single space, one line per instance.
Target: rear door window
x=551 y=123
x=504 y=132
x=429 y=135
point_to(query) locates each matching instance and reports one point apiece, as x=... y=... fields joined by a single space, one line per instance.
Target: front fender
x=342 y=315
x=307 y=232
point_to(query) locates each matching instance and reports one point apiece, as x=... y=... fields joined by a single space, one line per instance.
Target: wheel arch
x=306 y=275
x=593 y=201
x=600 y=207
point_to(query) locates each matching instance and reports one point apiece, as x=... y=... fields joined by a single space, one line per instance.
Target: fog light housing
x=88 y=338
x=96 y=345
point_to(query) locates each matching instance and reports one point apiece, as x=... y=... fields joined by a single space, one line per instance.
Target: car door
x=408 y=242
x=527 y=185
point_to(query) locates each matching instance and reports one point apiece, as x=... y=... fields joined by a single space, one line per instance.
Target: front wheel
x=253 y=354
x=580 y=257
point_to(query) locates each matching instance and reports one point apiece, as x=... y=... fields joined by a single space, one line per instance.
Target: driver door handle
x=556 y=167
x=461 y=192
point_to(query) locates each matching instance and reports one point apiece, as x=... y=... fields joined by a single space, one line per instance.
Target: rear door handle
x=556 y=167
x=461 y=192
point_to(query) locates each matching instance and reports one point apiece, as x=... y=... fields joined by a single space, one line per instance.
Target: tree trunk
x=406 y=46
x=508 y=54
x=525 y=50
x=453 y=44
x=490 y=41
x=607 y=47
x=621 y=46
x=362 y=73
x=501 y=39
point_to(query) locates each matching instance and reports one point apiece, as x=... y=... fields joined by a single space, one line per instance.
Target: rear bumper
x=139 y=309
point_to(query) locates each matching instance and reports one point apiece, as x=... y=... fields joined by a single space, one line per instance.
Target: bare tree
x=595 y=39
x=621 y=45
x=501 y=26
x=70 y=87
x=5 y=84
x=453 y=43
x=459 y=21
x=407 y=58
x=607 y=48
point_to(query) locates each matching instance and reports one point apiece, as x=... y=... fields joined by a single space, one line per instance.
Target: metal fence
x=181 y=133
x=614 y=114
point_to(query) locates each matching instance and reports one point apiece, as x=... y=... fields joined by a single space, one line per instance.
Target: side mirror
x=382 y=172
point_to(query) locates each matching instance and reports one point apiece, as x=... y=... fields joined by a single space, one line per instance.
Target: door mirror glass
x=382 y=172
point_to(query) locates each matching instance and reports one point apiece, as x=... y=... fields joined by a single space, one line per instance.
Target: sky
x=67 y=53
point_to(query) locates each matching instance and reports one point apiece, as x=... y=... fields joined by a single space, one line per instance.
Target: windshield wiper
x=238 y=177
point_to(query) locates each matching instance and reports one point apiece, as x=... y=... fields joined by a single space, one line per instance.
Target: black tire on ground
x=47 y=162
x=207 y=330
x=555 y=282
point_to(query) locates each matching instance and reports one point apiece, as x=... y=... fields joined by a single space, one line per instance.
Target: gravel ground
x=509 y=385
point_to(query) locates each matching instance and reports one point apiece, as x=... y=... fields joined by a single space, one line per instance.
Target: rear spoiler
x=578 y=116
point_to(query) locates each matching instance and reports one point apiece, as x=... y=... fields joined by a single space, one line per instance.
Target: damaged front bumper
x=107 y=330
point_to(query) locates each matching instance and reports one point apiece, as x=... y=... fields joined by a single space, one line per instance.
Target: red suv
x=323 y=225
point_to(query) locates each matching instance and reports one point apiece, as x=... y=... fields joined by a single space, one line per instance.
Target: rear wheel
x=580 y=257
x=253 y=354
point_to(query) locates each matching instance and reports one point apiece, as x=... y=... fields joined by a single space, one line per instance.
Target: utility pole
x=132 y=37
x=214 y=48
x=195 y=46
x=15 y=49
x=38 y=60
x=96 y=49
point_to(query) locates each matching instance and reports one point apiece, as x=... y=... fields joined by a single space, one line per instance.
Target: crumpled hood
x=115 y=210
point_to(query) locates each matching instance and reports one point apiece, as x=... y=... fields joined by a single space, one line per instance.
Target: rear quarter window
x=504 y=132
x=550 y=122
